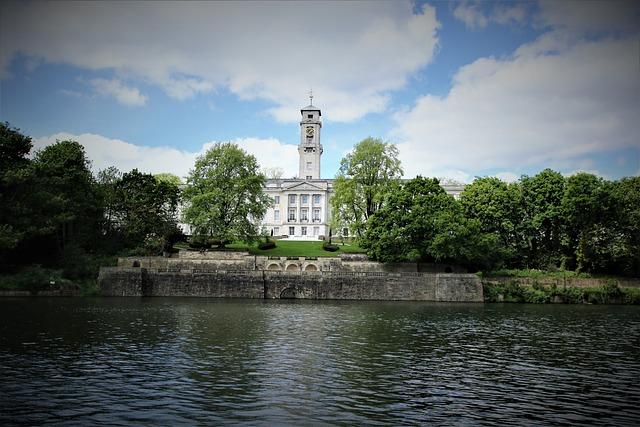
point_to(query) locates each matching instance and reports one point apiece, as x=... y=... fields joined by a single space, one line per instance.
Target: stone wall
x=118 y=281
x=578 y=282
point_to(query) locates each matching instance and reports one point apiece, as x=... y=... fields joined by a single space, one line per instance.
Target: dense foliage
x=546 y=221
x=365 y=176
x=57 y=215
x=224 y=198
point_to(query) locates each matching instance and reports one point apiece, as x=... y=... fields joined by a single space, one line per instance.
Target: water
x=191 y=361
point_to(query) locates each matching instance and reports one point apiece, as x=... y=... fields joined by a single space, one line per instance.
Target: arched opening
x=448 y=269
x=293 y=267
x=273 y=267
x=136 y=263
x=288 y=293
x=311 y=267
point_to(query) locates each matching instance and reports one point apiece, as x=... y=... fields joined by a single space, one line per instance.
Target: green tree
x=421 y=222
x=625 y=195
x=224 y=198
x=144 y=211
x=495 y=205
x=68 y=192
x=16 y=185
x=584 y=207
x=365 y=176
x=168 y=178
x=542 y=222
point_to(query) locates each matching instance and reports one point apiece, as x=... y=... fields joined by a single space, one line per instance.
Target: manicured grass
x=296 y=248
x=306 y=249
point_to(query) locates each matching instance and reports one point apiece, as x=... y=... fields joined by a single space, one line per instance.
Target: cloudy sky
x=464 y=89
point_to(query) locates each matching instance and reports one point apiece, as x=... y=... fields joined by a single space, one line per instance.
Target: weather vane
x=311 y=96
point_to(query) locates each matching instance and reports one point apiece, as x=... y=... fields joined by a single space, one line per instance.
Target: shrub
x=329 y=247
x=266 y=245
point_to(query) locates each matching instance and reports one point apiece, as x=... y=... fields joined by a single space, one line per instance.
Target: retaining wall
x=365 y=285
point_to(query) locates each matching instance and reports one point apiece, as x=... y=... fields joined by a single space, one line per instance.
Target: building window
x=276 y=231
x=309 y=116
x=292 y=214
x=308 y=166
x=345 y=231
x=292 y=199
x=309 y=177
x=316 y=231
x=316 y=199
x=304 y=231
x=316 y=215
x=292 y=231
x=304 y=199
x=276 y=200
x=304 y=214
x=276 y=215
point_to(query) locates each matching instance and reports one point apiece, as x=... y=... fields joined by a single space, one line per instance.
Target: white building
x=302 y=206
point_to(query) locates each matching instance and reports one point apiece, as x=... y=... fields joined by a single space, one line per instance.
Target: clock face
x=309 y=131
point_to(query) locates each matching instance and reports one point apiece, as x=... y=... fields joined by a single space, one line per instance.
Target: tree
x=16 y=183
x=542 y=222
x=169 y=178
x=404 y=227
x=421 y=222
x=625 y=196
x=365 y=176
x=495 y=205
x=72 y=208
x=224 y=198
x=144 y=209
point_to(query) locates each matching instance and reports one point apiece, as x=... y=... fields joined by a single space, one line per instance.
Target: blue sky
x=464 y=89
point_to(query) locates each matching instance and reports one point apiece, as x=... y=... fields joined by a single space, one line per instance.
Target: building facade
x=302 y=206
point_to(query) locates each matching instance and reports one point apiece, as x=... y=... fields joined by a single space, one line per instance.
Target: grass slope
x=295 y=248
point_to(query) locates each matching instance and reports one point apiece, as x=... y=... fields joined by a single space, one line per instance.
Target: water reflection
x=184 y=361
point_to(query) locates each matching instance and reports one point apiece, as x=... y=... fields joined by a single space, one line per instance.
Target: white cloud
x=474 y=17
x=554 y=103
x=114 y=88
x=507 y=176
x=471 y=15
x=104 y=152
x=273 y=51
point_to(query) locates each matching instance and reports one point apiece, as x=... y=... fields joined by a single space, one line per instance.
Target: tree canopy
x=365 y=176
x=224 y=198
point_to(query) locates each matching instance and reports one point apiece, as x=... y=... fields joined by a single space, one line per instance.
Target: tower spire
x=311 y=96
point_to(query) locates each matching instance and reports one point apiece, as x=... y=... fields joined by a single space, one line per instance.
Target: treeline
x=56 y=214
x=547 y=221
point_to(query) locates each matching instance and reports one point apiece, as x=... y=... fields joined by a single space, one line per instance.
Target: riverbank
x=577 y=291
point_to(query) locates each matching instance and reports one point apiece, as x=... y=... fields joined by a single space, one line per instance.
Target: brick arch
x=311 y=267
x=293 y=267
x=273 y=267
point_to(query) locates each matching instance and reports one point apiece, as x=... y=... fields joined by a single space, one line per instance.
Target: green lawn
x=297 y=248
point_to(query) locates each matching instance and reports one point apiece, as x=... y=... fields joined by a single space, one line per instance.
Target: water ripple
x=183 y=361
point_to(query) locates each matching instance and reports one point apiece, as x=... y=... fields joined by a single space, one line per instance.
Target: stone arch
x=293 y=267
x=136 y=263
x=288 y=293
x=311 y=267
x=448 y=269
x=273 y=266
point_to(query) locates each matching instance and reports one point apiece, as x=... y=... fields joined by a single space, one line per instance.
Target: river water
x=170 y=361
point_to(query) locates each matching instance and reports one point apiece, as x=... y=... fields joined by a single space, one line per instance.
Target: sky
x=464 y=89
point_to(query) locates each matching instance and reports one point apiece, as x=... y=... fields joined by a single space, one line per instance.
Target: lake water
x=170 y=361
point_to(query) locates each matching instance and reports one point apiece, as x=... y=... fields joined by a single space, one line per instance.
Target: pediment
x=304 y=186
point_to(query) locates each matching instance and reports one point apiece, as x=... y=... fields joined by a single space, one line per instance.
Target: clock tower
x=310 y=148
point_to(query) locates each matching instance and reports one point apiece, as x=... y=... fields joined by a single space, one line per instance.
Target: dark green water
x=169 y=361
